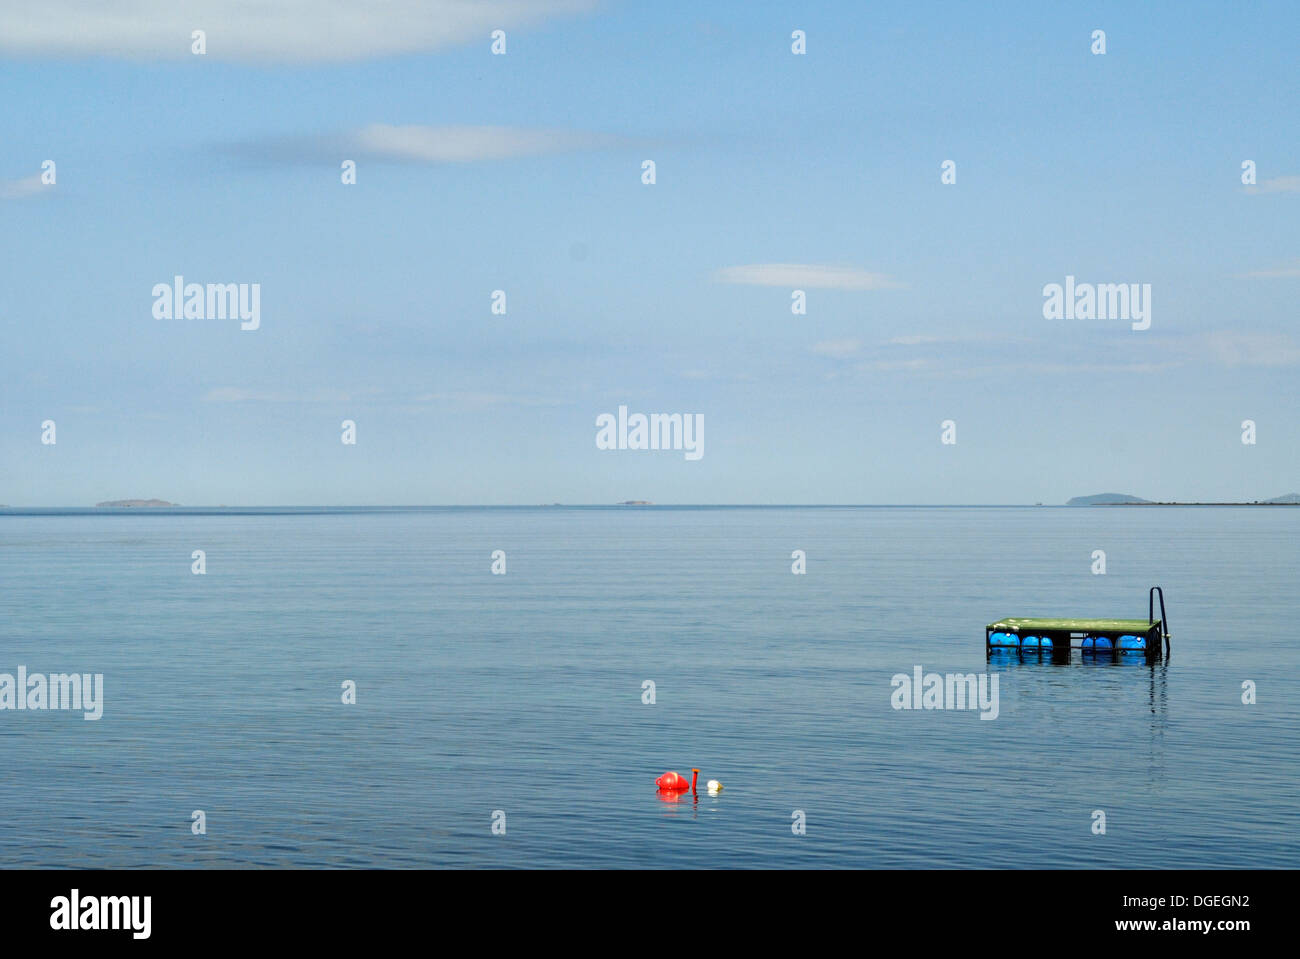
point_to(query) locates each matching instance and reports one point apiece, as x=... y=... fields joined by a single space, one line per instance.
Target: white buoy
x=714 y=787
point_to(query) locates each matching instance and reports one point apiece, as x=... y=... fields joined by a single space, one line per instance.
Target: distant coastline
x=177 y=508
x=1124 y=499
x=1198 y=503
x=125 y=503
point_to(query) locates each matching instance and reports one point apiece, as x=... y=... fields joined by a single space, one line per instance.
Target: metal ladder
x=1151 y=614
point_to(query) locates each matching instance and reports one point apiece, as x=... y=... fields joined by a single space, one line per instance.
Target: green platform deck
x=1138 y=627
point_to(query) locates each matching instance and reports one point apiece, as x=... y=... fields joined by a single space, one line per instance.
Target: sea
x=358 y=688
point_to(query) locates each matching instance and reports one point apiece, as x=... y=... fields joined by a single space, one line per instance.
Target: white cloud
x=384 y=142
x=467 y=144
x=483 y=400
x=838 y=349
x=947 y=339
x=1278 y=184
x=1281 y=272
x=801 y=275
x=892 y=366
x=917 y=340
x=16 y=189
x=1253 y=349
x=301 y=31
x=1070 y=369
x=233 y=394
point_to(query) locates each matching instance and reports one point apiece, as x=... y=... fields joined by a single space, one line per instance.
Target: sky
x=523 y=172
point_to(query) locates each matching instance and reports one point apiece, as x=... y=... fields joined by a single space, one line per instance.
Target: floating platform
x=1058 y=636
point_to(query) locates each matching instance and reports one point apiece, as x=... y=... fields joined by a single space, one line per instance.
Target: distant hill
x=135 y=502
x=1105 y=499
x=1123 y=499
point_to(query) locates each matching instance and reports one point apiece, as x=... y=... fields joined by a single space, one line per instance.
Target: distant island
x=636 y=502
x=134 y=502
x=1124 y=499
x=1106 y=499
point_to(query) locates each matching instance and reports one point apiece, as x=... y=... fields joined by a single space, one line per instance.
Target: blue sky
x=522 y=172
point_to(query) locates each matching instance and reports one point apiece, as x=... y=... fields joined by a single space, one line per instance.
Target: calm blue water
x=522 y=692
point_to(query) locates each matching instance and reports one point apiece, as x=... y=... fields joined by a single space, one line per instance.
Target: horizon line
x=11 y=508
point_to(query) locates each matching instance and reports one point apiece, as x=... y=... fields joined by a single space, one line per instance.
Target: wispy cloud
x=1232 y=348
x=1075 y=369
x=263 y=30
x=837 y=349
x=1021 y=356
x=892 y=366
x=428 y=144
x=467 y=399
x=1284 y=271
x=801 y=275
x=1278 y=184
x=233 y=394
x=483 y=400
x=468 y=144
x=951 y=339
x=17 y=189
x=915 y=352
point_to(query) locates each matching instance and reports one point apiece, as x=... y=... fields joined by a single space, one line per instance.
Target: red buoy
x=673 y=782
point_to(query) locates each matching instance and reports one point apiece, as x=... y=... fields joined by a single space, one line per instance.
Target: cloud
x=301 y=31
x=467 y=144
x=924 y=353
x=17 y=189
x=839 y=349
x=798 y=276
x=1282 y=272
x=1278 y=184
x=891 y=366
x=427 y=144
x=481 y=400
x=1071 y=369
x=1253 y=349
x=711 y=376
x=233 y=394
x=980 y=356
x=948 y=339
